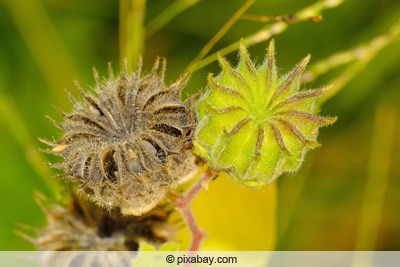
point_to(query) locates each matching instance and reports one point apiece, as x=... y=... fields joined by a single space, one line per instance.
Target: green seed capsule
x=255 y=124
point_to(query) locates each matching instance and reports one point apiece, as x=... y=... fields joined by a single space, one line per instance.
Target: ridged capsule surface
x=127 y=142
x=255 y=124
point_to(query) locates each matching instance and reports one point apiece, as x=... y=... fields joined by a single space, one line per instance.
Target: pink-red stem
x=184 y=204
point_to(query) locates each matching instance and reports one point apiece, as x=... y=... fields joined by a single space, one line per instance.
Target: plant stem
x=220 y=33
x=38 y=31
x=377 y=182
x=270 y=30
x=356 y=58
x=16 y=125
x=286 y=18
x=382 y=142
x=167 y=15
x=131 y=30
x=184 y=204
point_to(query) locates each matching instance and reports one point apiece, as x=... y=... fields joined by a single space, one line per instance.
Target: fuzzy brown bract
x=124 y=141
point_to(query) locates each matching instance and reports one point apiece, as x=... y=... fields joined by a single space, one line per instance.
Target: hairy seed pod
x=256 y=124
x=127 y=142
x=83 y=226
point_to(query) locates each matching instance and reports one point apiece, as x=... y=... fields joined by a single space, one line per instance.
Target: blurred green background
x=347 y=194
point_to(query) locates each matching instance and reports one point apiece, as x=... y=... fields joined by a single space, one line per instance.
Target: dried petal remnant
x=122 y=139
x=255 y=124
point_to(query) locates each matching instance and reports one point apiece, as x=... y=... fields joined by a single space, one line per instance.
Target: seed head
x=255 y=124
x=124 y=142
x=84 y=226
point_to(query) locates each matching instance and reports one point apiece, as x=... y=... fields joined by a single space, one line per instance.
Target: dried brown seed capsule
x=83 y=226
x=123 y=142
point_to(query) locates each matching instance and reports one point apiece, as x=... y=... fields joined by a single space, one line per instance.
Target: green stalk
x=270 y=30
x=131 y=30
x=44 y=43
x=356 y=60
x=377 y=182
x=10 y=117
x=167 y=15
x=220 y=33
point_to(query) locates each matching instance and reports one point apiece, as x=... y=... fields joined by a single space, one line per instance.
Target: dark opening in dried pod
x=124 y=141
